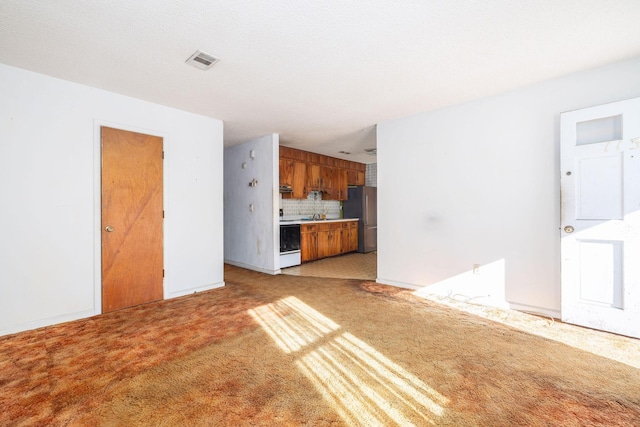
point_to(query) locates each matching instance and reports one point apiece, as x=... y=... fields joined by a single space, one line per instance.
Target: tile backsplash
x=296 y=208
x=371 y=175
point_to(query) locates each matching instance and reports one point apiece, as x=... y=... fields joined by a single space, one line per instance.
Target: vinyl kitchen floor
x=349 y=266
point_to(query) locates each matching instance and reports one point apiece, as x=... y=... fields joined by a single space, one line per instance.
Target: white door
x=600 y=223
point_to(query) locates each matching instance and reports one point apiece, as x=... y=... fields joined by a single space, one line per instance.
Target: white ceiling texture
x=320 y=73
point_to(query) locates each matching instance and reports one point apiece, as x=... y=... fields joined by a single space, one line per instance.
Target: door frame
x=97 y=202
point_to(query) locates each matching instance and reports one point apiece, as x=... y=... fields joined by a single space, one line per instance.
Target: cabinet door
x=355 y=177
x=324 y=238
x=286 y=172
x=328 y=243
x=342 y=184
x=344 y=240
x=335 y=242
x=352 y=176
x=313 y=177
x=353 y=236
x=326 y=175
x=308 y=246
x=299 y=180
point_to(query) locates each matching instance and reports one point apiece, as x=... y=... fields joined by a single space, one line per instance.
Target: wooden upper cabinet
x=305 y=172
x=326 y=178
x=333 y=182
x=299 y=180
x=355 y=177
x=293 y=174
x=286 y=172
x=313 y=177
x=341 y=184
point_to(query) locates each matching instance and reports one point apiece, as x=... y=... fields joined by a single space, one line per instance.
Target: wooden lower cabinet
x=353 y=237
x=308 y=242
x=329 y=243
x=322 y=240
x=350 y=237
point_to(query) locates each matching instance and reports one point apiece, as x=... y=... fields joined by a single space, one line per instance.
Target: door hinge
x=163 y=214
x=163 y=154
x=163 y=272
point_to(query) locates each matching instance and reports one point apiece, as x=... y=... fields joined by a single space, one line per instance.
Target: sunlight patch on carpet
x=363 y=385
x=292 y=324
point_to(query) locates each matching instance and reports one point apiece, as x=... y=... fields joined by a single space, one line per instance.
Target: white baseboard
x=252 y=267
x=536 y=310
x=190 y=291
x=49 y=321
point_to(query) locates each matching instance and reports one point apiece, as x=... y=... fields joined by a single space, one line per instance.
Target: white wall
x=478 y=183
x=252 y=239
x=50 y=196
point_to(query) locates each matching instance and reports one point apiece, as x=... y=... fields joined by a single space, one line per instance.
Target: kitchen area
x=286 y=209
x=325 y=209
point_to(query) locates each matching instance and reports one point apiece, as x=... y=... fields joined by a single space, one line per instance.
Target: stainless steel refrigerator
x=362 y=203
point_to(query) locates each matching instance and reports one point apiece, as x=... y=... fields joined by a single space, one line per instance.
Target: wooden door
x=132 y=215
x=600 y=244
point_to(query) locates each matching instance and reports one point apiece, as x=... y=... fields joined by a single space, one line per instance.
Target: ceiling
x=319 y=73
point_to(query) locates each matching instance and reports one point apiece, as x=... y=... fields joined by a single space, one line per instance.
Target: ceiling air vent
x=202 y=60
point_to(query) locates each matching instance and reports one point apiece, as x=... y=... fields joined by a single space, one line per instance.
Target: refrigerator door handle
x=366 y=209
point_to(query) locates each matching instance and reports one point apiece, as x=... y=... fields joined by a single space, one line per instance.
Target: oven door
x=289 y=238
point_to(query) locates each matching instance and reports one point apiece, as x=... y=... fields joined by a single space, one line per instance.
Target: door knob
x=108 y=229
x=568 y=229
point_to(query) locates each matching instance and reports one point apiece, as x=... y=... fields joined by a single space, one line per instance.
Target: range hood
x=286 y=189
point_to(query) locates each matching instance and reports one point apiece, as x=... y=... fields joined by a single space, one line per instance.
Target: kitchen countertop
x=315 y=221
